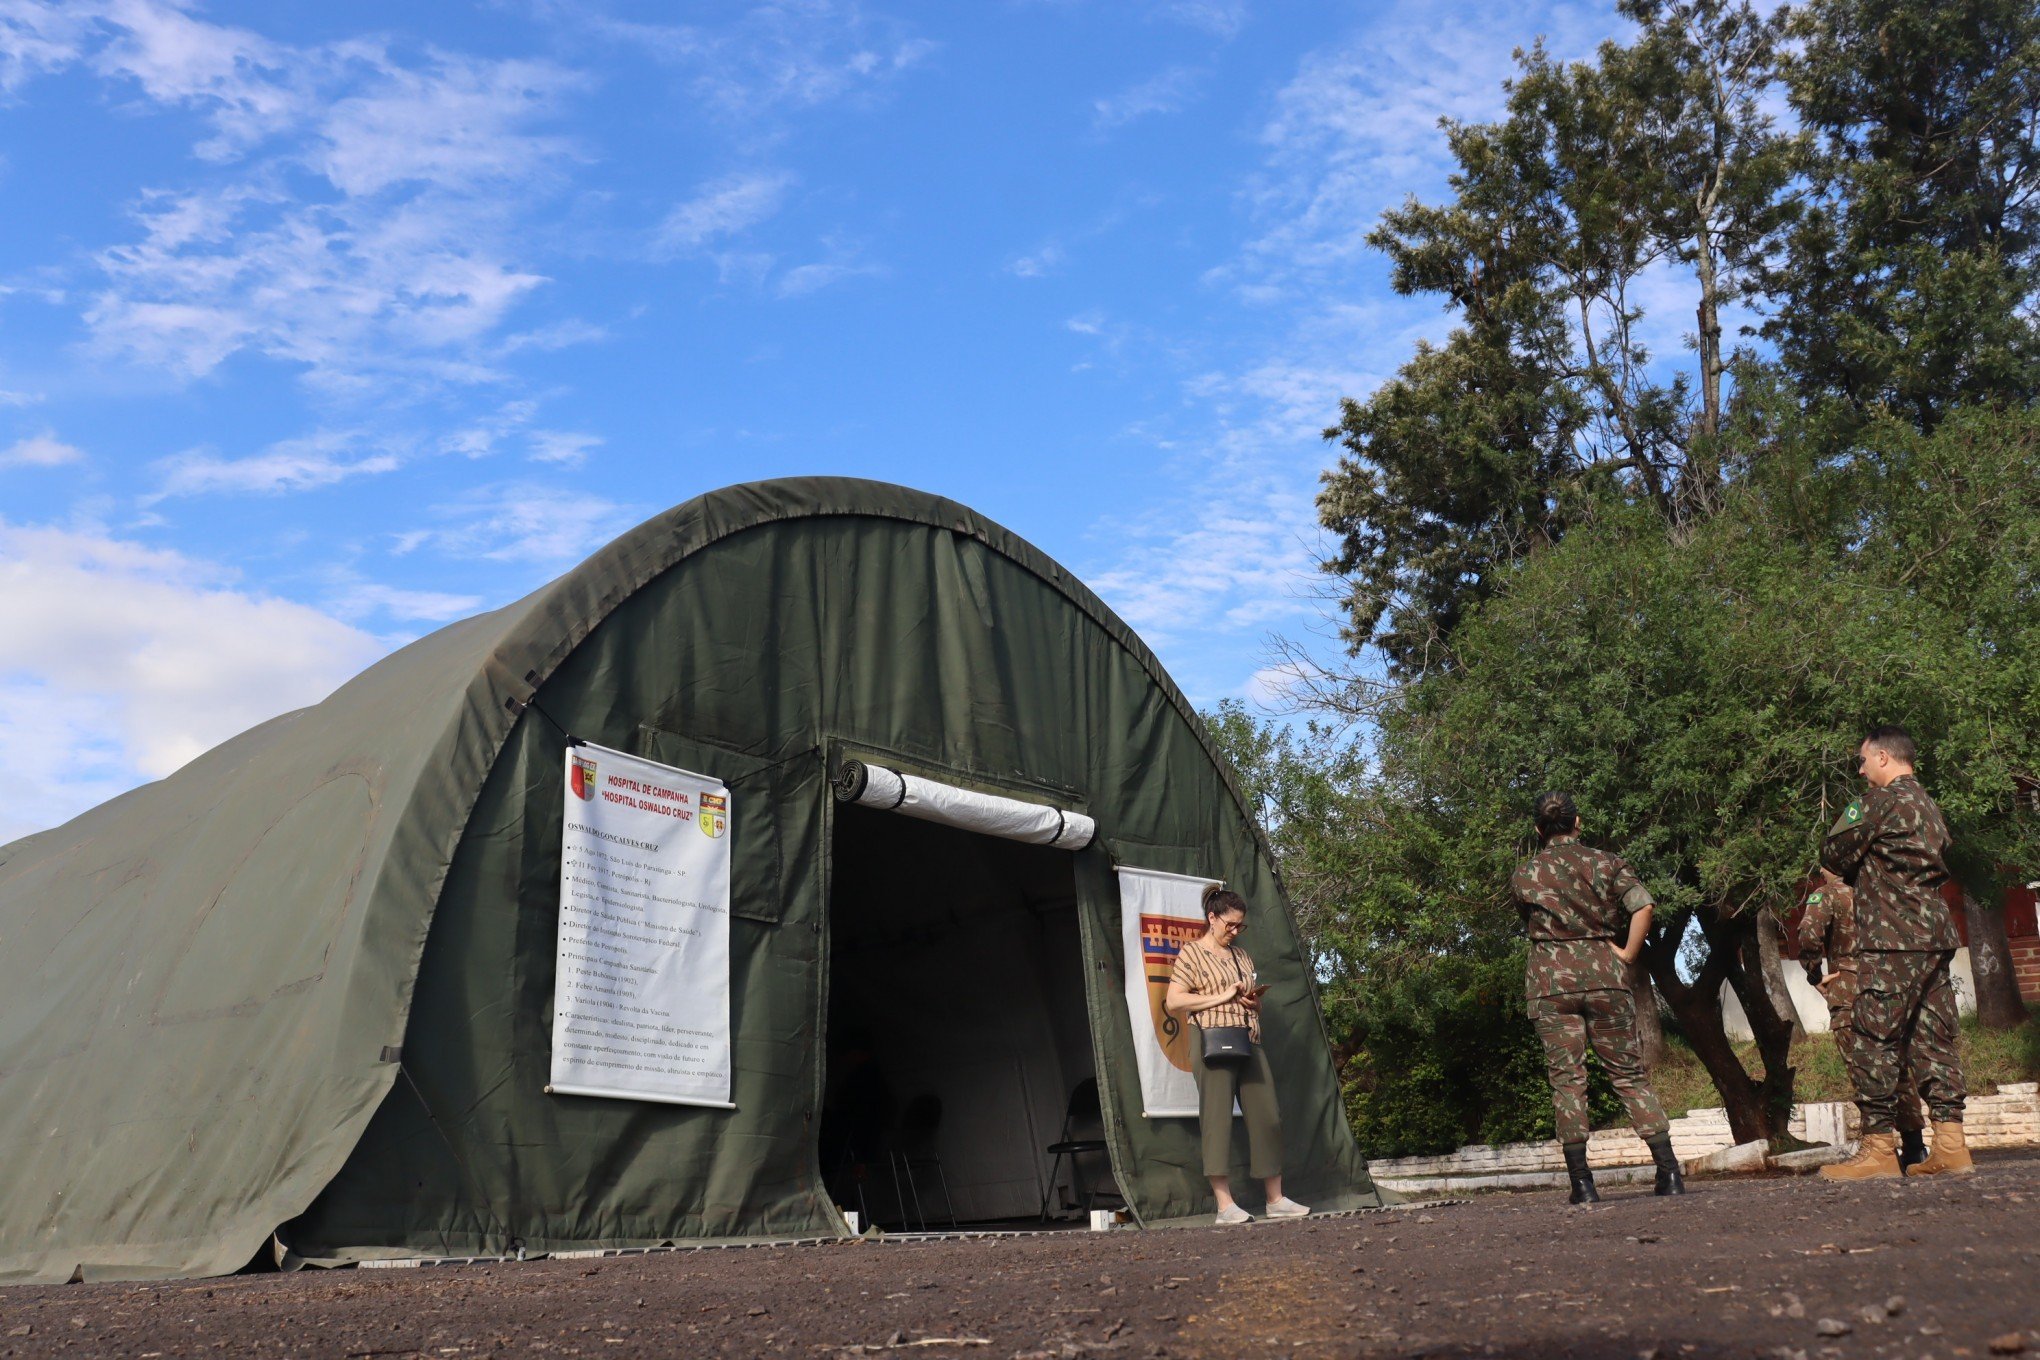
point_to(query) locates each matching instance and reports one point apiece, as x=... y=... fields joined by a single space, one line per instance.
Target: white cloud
x=1038 y=264
x=1220 y=18
x=43 y=450
x=461 y=122
x=37 y=38
x=812 y=278
x=1165 y=92
x=1114 y=338
x=60 y=753
x=556 y=336
x=1230 y=555
x=124 y=662
x=361 y=296
x=721 y=209
x=568 y=448
x=304 y=464
x=776 y=55
x=523 y=523
x=359 y=599
x=389 y=273
x=479 y=439
x=248 y=86
x=1282 y=686
x=1230 y=551
x=1356 y=130
x=369 y=218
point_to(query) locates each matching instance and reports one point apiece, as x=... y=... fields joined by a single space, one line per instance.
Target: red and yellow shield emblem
x=1161 y=939
x=714 y=815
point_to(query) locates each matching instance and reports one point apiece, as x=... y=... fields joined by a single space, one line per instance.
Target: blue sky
x=322 y=325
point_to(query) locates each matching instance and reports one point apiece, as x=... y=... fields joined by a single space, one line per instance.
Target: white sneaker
x=1233 y=1217
x=1286 y=1208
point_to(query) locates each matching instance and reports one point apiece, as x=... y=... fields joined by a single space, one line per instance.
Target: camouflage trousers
x=1842 y=1024
x=1906 y=1033
x=1605 y=1019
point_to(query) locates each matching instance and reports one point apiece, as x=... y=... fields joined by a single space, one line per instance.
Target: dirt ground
x=1793 y=1269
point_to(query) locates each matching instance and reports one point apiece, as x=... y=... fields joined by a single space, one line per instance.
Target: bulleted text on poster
x=641 y=1005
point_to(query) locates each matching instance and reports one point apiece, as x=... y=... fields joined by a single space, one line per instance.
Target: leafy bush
x=1445 y=1055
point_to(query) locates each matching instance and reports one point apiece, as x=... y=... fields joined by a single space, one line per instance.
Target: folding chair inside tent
x=914 y=1146
x=1083 y=1105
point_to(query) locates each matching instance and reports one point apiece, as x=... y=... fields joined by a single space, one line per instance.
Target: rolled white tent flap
x=989 y=814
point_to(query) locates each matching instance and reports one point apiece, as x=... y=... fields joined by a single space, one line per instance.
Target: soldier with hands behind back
x=1890 y=847
x=1587 y=914
x=1827 y=931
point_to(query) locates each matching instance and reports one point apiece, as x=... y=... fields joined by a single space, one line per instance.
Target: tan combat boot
x=1876 y=1157
x=1950 y=1156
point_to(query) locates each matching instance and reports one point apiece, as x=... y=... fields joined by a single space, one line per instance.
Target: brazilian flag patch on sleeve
x=1851 y=816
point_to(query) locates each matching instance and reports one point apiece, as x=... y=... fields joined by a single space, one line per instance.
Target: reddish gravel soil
x=1791 y=1269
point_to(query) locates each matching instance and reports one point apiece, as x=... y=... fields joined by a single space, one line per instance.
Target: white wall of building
x=1812 y=1009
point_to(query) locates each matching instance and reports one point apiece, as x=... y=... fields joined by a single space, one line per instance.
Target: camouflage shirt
x=1889 y=846
x=1576 y=903
x=1828 y=930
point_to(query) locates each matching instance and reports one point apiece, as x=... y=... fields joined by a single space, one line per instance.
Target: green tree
x=1656 y=157
x=1909 y=282
x=1699 y=695
x=1683 y=584
x=1951 y=522
x=1702 y=694
x=1422 y=984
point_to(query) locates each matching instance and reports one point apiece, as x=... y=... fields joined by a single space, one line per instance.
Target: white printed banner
x=641 y=1007
x=1159 y=913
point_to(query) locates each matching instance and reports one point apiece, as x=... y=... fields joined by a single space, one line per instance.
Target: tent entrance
x=957 y=1028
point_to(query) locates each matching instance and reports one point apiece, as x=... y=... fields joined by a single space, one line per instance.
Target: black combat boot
x=1582 y=1177
x=1669 y=1181
x=1912 y=1148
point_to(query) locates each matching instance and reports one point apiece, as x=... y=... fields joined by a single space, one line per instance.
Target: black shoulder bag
x=1228 y=1043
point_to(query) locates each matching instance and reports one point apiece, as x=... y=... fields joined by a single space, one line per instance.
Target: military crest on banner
x=1161 y=939
x=713 y=815
x=584 y=779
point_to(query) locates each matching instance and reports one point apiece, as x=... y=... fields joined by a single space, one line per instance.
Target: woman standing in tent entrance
x=1213 y=988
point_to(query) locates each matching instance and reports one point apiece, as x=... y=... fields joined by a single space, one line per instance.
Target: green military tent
x=296 y=996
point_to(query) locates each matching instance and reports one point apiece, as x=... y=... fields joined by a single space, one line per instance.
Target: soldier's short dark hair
x=1218 y=901
x=1556 y=814
x=1895 y=742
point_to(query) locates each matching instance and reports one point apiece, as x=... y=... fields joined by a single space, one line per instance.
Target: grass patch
x=1990 y=1058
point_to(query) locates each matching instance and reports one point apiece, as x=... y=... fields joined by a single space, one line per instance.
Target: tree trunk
x=1709 y=317
x=1702 y=473
x=1699 y=1018
x=1998 y=1005
x=1650 y=1031
x=1757 y=975
x=1771 y=962
x=1697 y=1007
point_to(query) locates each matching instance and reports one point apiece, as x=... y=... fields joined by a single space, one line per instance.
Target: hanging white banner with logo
x=1159 y=913
x=641 y=1006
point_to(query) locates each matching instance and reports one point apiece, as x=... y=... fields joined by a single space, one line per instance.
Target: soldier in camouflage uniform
x=1587 y=914
x=1827 y=932
x=1891 y=848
